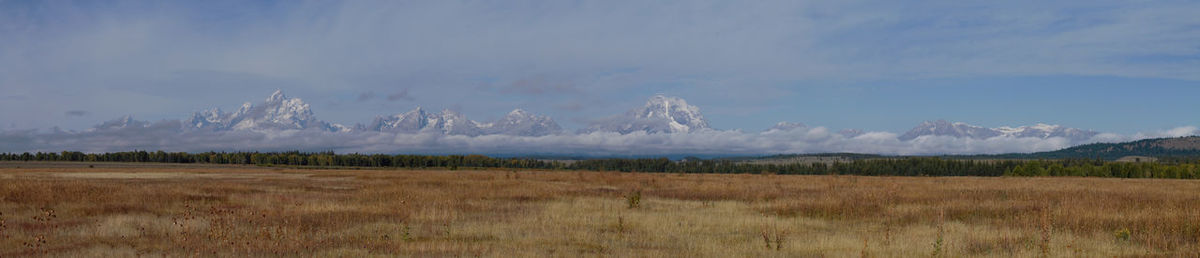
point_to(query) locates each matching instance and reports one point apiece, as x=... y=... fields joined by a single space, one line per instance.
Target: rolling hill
x=1159 y=147
x=1180 y=147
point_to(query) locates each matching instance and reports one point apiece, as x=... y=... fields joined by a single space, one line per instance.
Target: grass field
x=128 y=210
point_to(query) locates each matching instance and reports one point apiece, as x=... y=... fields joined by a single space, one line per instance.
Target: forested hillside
x=1181 y=147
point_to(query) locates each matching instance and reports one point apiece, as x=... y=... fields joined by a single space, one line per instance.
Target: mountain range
x=449 y=122
x=277 y=112
x=963 y=130
x=660 y=115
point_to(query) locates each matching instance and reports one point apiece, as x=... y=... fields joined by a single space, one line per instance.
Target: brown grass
x=246 y=211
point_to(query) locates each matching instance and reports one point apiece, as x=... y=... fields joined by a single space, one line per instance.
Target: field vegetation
x=109 y=209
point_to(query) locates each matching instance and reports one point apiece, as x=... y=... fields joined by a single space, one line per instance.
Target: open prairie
x=72 y=209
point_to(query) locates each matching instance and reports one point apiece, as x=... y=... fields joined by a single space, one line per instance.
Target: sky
x=1124 y=67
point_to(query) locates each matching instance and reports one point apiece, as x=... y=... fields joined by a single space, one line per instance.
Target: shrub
x=634 y=199
x=1122 y=235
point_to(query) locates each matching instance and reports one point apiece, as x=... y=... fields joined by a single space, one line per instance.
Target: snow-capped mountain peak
x=1046 y=127
x=276 y=96
x=661 y=114
x=410 y=122
x=1041 y=130
x=450 y=122
x=1038 y=127
x=206 y=118
x=683 y=117
x=944 y=128
x=123 y=122
x=518 y=113
x=961 y=130
x=277 y=112
x=523 y=123
x=453 y=122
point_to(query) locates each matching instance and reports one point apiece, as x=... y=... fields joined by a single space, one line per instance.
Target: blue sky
x=1110 y=66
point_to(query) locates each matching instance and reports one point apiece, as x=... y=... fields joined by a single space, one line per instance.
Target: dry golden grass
x=248 y=211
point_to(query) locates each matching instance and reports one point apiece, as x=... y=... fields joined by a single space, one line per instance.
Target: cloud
x=400 y=95
x=14 y=98
x=1173 y=132
x=76 y=113
x=571 y=106
x=167 y=135
x=365 y=96
x=538 y=85
x=1182 y=131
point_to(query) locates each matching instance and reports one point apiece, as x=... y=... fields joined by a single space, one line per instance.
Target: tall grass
x=280 y=212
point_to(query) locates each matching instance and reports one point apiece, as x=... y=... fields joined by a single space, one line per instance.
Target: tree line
x=292 y=158
x=892 y=166
x=905 y=166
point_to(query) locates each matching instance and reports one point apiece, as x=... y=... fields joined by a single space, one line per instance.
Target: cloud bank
x=166 y=135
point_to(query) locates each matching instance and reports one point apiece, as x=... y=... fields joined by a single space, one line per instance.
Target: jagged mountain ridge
x=963 y=130
x=123 y=122
x=522 y=123
x=661 y=114
x=449 y=122
x=277 y=112
x=419 y=121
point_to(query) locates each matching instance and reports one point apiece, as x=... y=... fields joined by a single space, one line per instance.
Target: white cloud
x=1173 y=132
x=166 y=136
x=1182 y=131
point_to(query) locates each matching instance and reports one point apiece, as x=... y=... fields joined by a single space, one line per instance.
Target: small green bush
x=1122 y=235
x=634 y=199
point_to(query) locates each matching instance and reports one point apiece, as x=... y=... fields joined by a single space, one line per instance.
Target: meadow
x=118 y=209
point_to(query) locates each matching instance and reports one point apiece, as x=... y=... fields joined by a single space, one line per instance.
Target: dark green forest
x=1169 y=148
x=884 y=166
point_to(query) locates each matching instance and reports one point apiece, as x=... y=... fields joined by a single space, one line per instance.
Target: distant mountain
x=944 y=128
x=522 y=123
x=449 y=122
x=789 y=126
x=208 y=119
x=963 y=130
x=1180 y=147
x=418 y=120
x=128 y=125
x=786 y=126
x=125 y=122
x=277 y=112
x=1047 y=131
x=661 y=114
x=850 y=133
